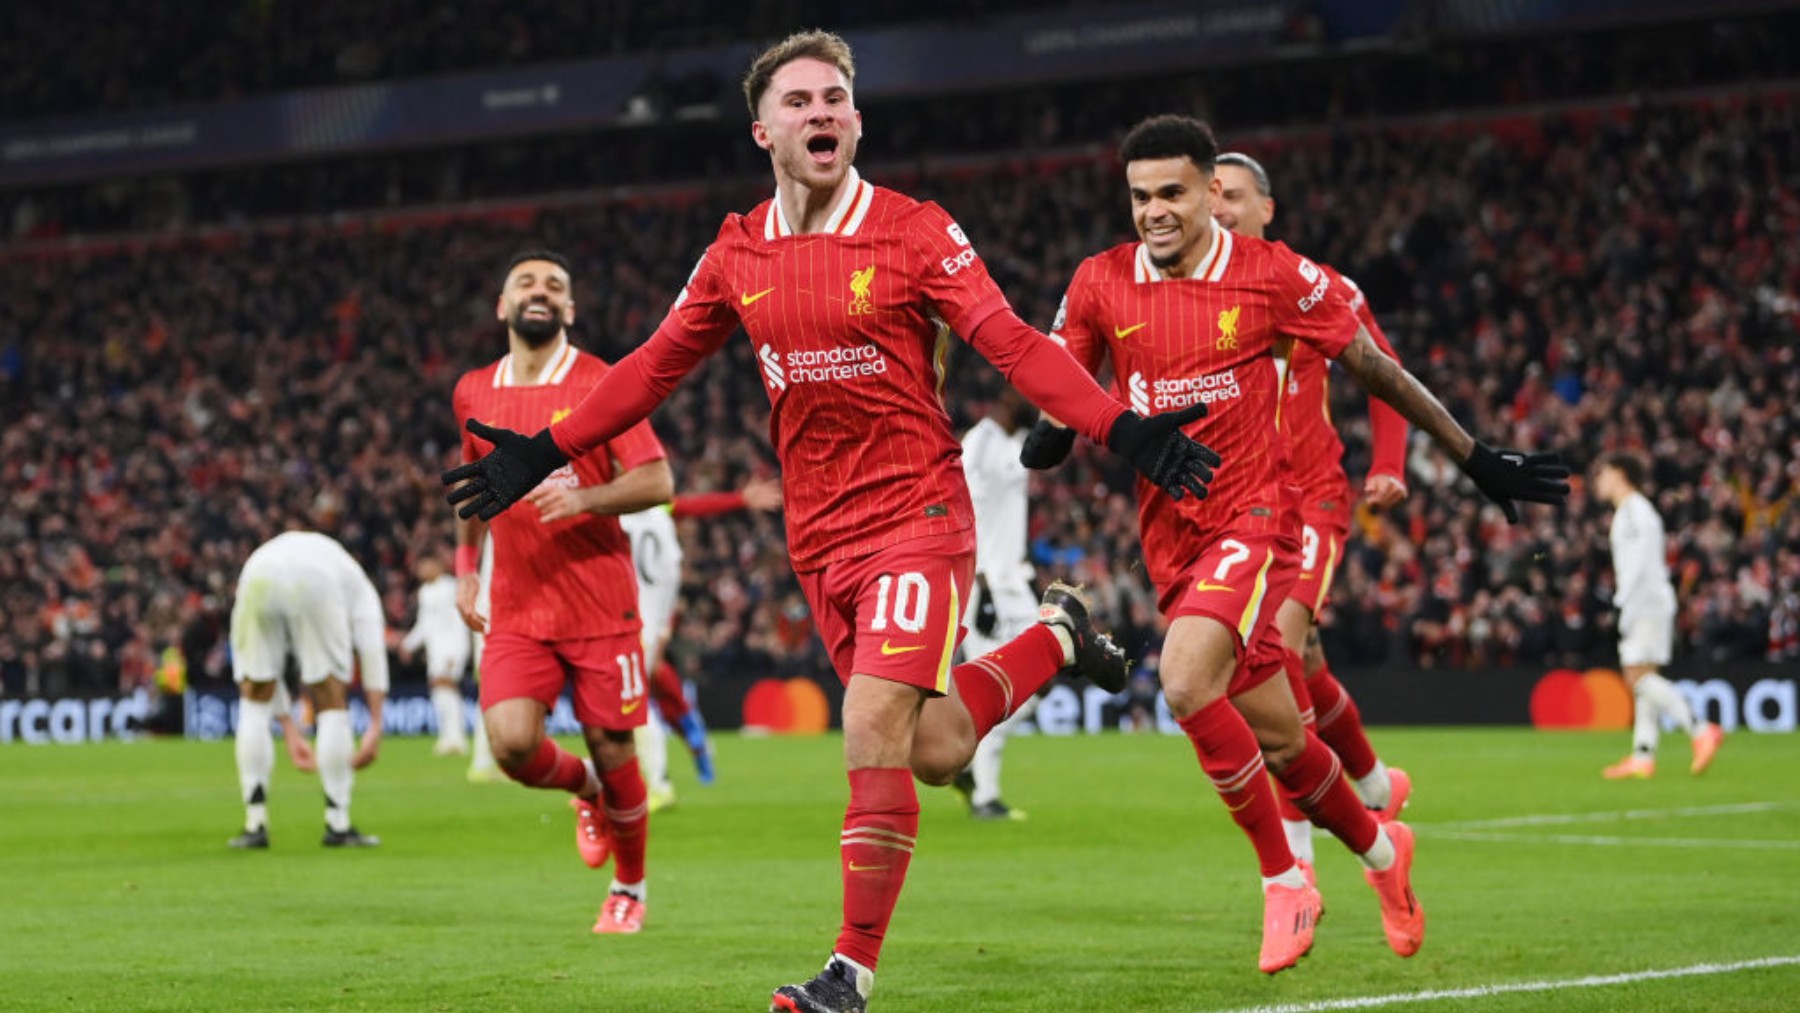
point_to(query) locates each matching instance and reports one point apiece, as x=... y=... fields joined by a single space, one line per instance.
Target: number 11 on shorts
x=631 y=680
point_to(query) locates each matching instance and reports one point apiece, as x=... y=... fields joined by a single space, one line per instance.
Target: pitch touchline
x=1605 y=841
x=1551 y=819
x=1484 y=991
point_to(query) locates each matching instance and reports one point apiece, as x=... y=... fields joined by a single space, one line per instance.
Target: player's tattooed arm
x=1386 y=379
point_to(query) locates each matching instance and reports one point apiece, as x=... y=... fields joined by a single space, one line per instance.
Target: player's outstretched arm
x=1505 y=476
x=498 y=480
x=1049 y=378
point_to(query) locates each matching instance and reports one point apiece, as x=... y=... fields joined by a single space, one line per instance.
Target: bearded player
x=1191 y=315
x=563 y=601
x=849 y=293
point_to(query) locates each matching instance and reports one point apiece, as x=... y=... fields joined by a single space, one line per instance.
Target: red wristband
x=468 y=560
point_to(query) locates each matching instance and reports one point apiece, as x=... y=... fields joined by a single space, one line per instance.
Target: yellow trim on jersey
x=1248 y=619
x=940 y=354
x=943 y=676
x=1331 y=561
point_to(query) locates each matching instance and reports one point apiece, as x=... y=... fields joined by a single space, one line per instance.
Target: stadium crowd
x=1448 y=75
x=111 y=57
x=1590 y=283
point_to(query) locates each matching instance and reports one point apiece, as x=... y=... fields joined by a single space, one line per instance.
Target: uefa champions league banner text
x=1744 y=701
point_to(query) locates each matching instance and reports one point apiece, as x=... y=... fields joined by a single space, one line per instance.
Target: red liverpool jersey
x=850 y=328
x=1316 y=454
x=1206 y=339
x=571 y=579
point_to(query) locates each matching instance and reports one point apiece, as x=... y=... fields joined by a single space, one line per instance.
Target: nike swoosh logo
x=865 y=868
x=632 y=706
x=889 y=650
x=1204 y=586
x=1125 y=332
x=1240 y=806
x=748 y=298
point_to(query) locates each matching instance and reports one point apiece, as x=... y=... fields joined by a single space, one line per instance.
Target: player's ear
x=569 y=313
x=500 y=309
x=1270 y=213
x=760 y=134
x=859 y=124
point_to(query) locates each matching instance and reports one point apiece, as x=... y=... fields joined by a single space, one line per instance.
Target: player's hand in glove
x=1046 y=446
x=513 y=468
x=1158 y=448
x=1506 y=476
x=986 y=616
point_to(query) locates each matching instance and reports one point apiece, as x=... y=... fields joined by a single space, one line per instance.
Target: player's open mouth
x=537 y=311
x=823 y=148
x=1161 y=232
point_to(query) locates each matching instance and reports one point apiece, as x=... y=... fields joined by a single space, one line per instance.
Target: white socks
x=447 y=703
x=985 y=766
x=1293 y=879
x=1381 y=856
x=1374 y=788
x=333 y=746
x=1300 y=838
x=1066 y=639
x=1656 y=698
x=637 y=891
x=255 y=760
x=652 y=741
x=865 y=978
x=481 y=755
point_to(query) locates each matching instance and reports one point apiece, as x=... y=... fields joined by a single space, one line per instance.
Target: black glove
x=1507 y=475
x=986 y=618
x=1046 y=446
x=513 y=468
x=1158 y=448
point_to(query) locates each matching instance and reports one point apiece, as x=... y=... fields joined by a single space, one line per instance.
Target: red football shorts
x=1240 y=581
x=605 y=676
x=1321 y=550
x=895 y=614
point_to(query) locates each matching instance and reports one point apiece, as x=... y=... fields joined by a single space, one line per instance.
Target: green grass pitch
x=1127 y=889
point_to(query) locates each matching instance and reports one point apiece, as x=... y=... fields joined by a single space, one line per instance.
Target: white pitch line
x=1553 y=819
x=1606 y=841
x=1485 y=991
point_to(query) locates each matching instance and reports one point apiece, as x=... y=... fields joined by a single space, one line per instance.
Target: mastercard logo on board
x=1595 y=699
x=786 y=707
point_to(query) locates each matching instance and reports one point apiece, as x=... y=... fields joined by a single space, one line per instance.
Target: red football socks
x=1315 y=782
x=1340 y=723
x=1231 y=758
x=881 y=826
x=551 y=766
x=996 y=684
x=666 y=689
x=627 y=819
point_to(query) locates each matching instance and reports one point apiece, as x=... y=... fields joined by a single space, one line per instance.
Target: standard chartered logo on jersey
x=1151 y=396
x=822 y=365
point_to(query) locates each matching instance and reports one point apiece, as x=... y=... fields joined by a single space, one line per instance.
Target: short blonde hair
x=826 y=47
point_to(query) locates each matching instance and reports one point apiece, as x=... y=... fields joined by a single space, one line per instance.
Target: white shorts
x=441 y=663
x=274 y=617
x=1015 y=609
x=1646 y=637
x=656 y=555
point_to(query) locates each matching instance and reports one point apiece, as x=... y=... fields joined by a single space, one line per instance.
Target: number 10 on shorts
x=909 y=596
